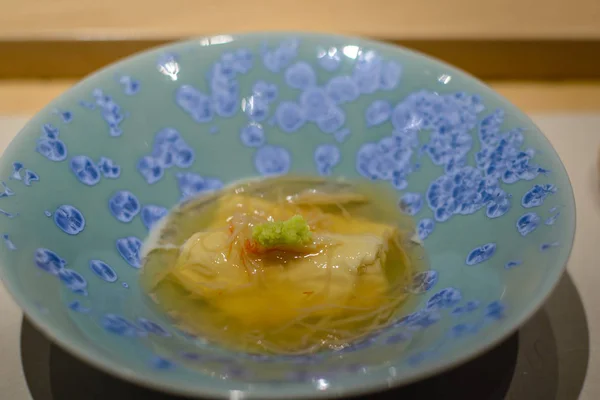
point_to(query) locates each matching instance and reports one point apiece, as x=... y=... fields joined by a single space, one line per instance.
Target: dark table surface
x=546 y=359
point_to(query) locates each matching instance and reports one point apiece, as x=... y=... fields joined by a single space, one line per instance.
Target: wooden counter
x=382 y=19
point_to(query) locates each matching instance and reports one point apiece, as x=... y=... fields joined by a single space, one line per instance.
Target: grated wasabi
x=292 y=232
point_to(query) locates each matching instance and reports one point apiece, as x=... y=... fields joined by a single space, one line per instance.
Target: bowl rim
x=111 y=367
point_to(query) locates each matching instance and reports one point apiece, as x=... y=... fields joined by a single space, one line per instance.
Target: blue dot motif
x=152 y=327
x=170 y=149
x=495 y=310
x=151 y=214
x=17 y=168
x=72 y=280
x=69 y=219
x=243 y=60
x=66 y=116
x=469 y=307
x=50 y=146
x=252 y=135
x=118 y=325
x=7 y=214
x=404 y=117
x=19 y=173
x=272 y=160
x=329 y=59
x=8 y=243
x=367 y=71
x=161 y=363
x=130 y=85
x=445 y=298
x=265 y=90
x=411 y=203
x=167 y=65
x=124 y=206
x=378 y=112
x=342 y=89
x=7 y=191
x=300 y=76
x=425 y=228
x=150 y=169
x=462 y=329
x=551 y=220
x=78 y=307
x=537 y=194
x=527 y=223
x=423 y=281
x=109 y=168
x=341 y=135
x=30 y=177
x=419 y=319
x=548 y=246
x=110 y=111
x=225 y=103
x=191 y=184
x=481 y=254
x=326 y=157
x=103 y=270
x=315 y=104
x=512 y=264
x=289 y=116
x=280 y=57
x=332 y=121
x=391 y=72
x=129 y=248
x=48 y=261
x=85 y=170
x=256 y=107
x=195 y=103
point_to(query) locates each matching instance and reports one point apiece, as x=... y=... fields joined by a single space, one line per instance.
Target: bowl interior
x=89 y=174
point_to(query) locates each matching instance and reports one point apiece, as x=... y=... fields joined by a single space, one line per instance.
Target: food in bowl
x=287 y=265
x=92 y=174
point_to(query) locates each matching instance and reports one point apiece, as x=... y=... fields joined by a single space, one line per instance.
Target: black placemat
x=546 y=359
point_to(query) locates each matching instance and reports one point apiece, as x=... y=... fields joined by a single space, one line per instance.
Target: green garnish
x=293 y=232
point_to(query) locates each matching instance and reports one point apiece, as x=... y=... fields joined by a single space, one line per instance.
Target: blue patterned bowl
x=88 y=176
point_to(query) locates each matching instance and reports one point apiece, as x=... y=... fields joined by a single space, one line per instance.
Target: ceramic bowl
x=89 y=175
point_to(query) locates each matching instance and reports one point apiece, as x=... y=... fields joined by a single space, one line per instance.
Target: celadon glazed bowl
x=89 y=175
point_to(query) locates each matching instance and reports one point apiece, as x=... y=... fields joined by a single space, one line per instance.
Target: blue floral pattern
x=191 y=184
x=20 y=173
x=69 y=219
x=123 y=205
x=425 y=228
x=527 y=223
x=151 y=214
x=481 y=254
x=110 y=111
x=49 y=145
x=8 y=242
x=272 y=160
x=423 y=281
x=103 y=270
x=129 y=248
x=327 y=156
x=169 y=150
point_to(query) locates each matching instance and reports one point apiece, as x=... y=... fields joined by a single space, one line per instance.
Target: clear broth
x=308 y=335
